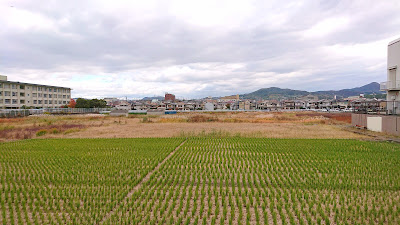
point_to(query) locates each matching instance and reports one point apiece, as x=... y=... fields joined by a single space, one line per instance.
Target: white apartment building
x=392 y=85
x=14 y=95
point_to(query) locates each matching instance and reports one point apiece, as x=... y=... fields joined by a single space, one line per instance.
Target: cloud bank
x=196 y=48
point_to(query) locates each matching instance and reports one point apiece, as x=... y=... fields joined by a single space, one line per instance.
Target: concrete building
x=15 y=95
x=124 y=105
x=392 y=85
x=169 y=97
x=209 y=106
x=232 y=98
x=368 y=116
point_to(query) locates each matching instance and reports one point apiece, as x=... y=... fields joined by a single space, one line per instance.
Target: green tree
x=90 y=103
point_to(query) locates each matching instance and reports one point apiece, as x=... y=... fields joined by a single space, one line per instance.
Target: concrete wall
x=359 y=120
x=391 y=125
x=374 y=123
x=382 y=123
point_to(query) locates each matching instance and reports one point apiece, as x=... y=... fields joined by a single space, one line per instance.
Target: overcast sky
x=104 y=48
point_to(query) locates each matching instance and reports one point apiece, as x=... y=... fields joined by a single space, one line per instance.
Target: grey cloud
x=88 y=41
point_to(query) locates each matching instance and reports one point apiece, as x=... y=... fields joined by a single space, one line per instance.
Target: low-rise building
x=16 y=95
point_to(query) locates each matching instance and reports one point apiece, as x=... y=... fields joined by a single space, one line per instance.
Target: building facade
x=169 y=97
x=16 y=95
x=392 y=85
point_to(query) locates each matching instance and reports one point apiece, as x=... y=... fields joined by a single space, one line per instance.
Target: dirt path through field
x=139 y=185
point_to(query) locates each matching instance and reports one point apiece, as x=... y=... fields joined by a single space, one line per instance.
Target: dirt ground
x=245 y=124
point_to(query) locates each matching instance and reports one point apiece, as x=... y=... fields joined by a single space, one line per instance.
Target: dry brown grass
x=247 y=124
x=28 y=127
x=271 y=130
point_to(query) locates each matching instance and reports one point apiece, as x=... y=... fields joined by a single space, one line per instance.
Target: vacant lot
x=205 y=181
x=245 y=124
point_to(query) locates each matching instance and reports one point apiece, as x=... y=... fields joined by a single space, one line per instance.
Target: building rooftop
x=395 y=41
x=16 y=82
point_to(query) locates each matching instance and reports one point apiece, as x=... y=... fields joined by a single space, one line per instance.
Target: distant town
x=235 y=102
x=19 y=95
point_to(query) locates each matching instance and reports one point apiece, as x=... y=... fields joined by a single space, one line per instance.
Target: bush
x=54 y=131
x=41 y=133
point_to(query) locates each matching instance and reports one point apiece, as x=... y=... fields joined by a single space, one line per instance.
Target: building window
x=1 y=101
x=50 y=96
x=14 y=101
x=45 y=89
x=40 y=89
x=1 y=93
x=45 y=101
x=7 y=93
x=34 y=88
x=34 y=94
x=14 y=93
x=64 y=102
x=40 y=101
x=59 y=102
x=59 y=96
x=22 y=94
x=50 y=89
x=1 y=85
x=40 y=94
x=6 y=86
x=68 y=96
x=55 y=89
x=34 y=101
x=59 y=90
x=21 y=86
x=22 y=101
x=50 y=102
x=7 y=101
x=45 y=95
x=64 y=96
x=14 y=86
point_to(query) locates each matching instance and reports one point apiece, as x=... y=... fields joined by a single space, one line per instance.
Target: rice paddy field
x=199 y=180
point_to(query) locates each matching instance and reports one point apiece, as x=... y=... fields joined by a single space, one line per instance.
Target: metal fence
x=376 y=107
x=12 y=113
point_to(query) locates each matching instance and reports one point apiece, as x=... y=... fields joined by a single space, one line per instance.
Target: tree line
x=90 y=103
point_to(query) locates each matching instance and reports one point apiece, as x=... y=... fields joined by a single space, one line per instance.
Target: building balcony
x=390 y=86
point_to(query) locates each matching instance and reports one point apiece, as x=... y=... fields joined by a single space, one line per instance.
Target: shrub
x=41 y=133
x=54 y=131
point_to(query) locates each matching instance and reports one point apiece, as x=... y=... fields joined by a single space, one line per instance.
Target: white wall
x=393 y=76
x=374 y=123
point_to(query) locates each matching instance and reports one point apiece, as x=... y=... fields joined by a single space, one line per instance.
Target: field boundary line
x=139 y=185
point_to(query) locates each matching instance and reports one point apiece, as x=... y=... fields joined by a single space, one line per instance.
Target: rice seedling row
x=72 y=181
x=270 y=181
x=207 y=181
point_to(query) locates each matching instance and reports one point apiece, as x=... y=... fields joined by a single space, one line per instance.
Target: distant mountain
x=160 y=98
x=366 y=89
x=274 y=93
x=279 y=93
